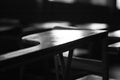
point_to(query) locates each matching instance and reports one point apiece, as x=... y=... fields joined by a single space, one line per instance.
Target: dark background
x=29 y=11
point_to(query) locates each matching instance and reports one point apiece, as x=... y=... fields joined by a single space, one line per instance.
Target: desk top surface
x=60 y=36
x=115 y=45
x=115 y=34
x=52 y=38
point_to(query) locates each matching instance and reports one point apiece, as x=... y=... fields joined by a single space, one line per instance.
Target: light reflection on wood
x=114 y=34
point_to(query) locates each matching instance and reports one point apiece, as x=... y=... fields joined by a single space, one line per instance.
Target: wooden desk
x=114 y=44
x=51 y=42
x=114 y=48
x=114 y=34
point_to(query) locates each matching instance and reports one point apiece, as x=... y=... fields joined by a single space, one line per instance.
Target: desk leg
x=68 y=65
x=104 y=59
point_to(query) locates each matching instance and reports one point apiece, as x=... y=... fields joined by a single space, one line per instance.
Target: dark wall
x=25 y=10
x=76 y=12
x=29 y=11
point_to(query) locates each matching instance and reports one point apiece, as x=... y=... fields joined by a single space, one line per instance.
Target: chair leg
x=62 y=64
x=65 y=65
x=56 y=67
x=68 y=65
